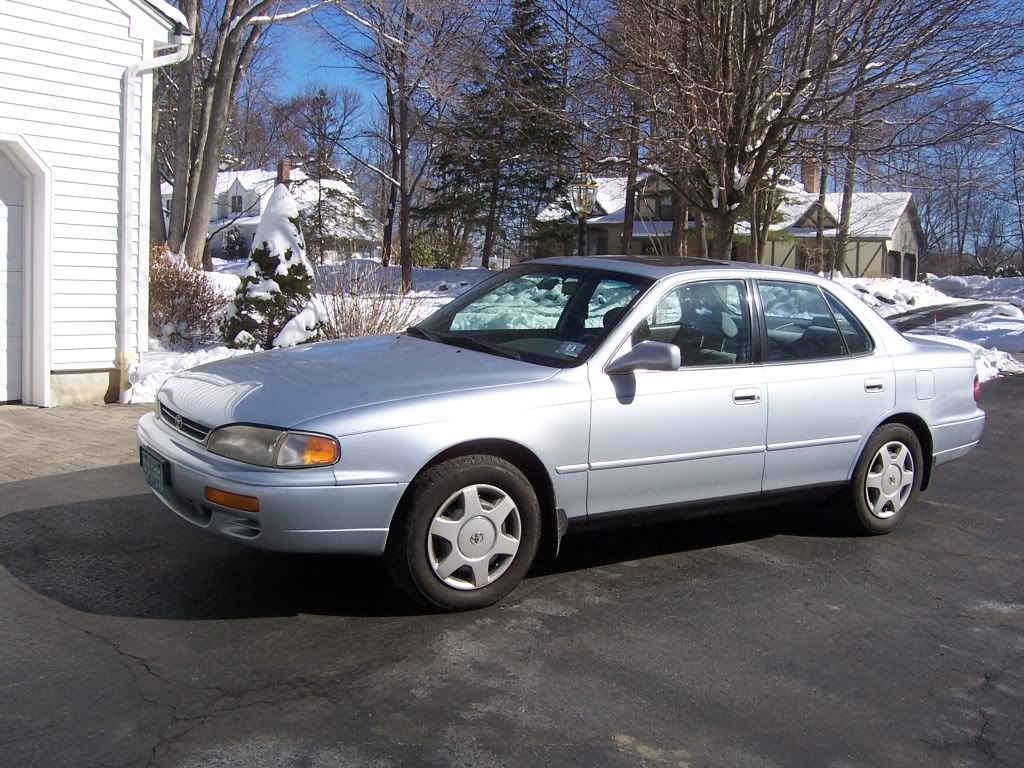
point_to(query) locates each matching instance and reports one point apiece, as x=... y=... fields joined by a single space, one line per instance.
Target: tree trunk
x=490 y=228
x=819 y=237
x=404 y=135
x=392 y=204
x=157 y=225
x=722 y=239
x=185 y=74
x=678 y=226
x=209 y=165
x=755 y=231
x=701 y=235
x=629 y=213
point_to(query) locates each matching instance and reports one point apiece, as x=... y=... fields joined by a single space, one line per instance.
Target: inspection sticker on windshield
x=571 y=348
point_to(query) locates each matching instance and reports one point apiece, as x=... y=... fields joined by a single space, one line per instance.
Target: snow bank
x=891 y=295
x=157 y=365
x=1009 y=289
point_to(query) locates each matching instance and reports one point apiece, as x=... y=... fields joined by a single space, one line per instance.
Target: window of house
x=799 y=323
x=663 y=208
x=236 y=203
x=708 y=320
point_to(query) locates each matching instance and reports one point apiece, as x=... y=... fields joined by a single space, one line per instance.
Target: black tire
x=864 y=520
x=407 y=549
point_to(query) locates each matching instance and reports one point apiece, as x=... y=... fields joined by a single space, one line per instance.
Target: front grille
x=187 y=427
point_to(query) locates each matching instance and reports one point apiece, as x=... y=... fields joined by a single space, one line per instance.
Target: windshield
x=541 y=314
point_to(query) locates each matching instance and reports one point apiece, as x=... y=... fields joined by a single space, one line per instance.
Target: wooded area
x=479 y=114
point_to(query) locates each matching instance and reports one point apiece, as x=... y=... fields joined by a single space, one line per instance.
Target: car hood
x=287 y=387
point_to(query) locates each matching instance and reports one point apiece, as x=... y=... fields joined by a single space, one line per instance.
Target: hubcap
x=474 y=537
x=890 y=480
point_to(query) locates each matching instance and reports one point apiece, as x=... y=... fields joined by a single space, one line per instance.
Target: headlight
x=266 y=447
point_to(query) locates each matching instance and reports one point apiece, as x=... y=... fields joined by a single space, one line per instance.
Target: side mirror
x=647 y=356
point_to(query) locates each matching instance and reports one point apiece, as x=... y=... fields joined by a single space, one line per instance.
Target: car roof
x=658 y=267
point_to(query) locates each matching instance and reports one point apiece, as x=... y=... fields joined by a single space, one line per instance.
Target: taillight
x=977 y=389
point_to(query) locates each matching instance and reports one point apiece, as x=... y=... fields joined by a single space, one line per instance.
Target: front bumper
x=300 y=510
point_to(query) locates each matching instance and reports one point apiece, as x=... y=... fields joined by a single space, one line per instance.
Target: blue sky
x=303 y=59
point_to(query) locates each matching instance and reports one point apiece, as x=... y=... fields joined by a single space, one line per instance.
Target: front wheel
x=466 y=534
x=887 y=479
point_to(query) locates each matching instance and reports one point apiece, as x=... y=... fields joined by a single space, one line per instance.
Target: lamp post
x=582 y=198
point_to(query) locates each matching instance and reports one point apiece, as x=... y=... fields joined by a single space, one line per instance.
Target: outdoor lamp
x=582 y=198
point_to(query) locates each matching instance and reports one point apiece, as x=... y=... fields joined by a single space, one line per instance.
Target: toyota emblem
x=476 y=538
x=177 y=421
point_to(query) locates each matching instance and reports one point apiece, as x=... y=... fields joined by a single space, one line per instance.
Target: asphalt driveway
x=767 y=639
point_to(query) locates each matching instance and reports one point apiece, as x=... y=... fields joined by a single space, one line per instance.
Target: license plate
x=156 y=470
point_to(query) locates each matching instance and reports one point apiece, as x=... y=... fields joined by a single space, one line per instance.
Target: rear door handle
x=746 y=396
x=874 y=385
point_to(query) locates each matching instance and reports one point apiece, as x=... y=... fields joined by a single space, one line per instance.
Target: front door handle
x=874 y=385
x=746 y=396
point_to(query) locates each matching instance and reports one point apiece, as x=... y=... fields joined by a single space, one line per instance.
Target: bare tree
x=229 y=34
x=411 y=48
x=735 y=88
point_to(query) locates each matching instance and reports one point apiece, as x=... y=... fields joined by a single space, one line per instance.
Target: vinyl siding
x=60 y=88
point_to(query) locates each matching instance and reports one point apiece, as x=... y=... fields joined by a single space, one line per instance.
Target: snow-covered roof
x=873 y=215
x=359 y=225
x=167 y=10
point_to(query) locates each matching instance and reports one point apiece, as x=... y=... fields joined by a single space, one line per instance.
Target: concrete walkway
x=41 y=442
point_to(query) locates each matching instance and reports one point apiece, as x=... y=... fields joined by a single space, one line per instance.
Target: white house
x=75 y=157
x=241 y=196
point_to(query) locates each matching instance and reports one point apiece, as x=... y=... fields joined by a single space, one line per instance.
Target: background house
x=241 y=196
x=74 y=229
x=885 y=233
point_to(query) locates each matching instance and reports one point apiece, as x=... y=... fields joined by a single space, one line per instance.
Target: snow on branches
x=274 y=305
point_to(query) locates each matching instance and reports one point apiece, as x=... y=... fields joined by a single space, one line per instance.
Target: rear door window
x=857 y=340
x=799 y=323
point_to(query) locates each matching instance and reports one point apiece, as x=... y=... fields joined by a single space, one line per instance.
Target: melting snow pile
x=146 y=377
x=891 y=295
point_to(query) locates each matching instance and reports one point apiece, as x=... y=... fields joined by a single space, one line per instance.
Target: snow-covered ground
x=991 y=334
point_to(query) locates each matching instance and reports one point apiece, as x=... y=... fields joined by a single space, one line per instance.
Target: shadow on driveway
x=129 y=556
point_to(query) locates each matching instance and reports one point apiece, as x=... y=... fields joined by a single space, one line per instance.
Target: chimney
x=809 y=172
x=284 y=172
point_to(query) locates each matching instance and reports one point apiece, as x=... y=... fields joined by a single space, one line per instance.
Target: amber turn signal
x=232 y=500
x=300 y=449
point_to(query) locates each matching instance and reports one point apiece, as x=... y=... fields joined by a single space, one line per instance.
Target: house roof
x=873 y=215
x=167 y=10
x=358 y=225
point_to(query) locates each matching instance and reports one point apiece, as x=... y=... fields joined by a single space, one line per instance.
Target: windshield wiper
x=479 y=345
x=415 y=330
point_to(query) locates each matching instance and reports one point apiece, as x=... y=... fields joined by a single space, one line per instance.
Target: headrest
x=729 y=326
x=612 y=317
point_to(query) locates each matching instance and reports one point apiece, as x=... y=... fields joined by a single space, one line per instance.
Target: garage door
x=11 y=280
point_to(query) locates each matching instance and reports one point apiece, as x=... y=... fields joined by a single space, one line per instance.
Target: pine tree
x=278 y=280
x=506 y=137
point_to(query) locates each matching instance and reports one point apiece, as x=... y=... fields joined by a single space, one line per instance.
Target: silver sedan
x=557 y=394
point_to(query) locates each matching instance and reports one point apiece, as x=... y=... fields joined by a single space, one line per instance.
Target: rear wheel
x=887 y=479
x=466 y=535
